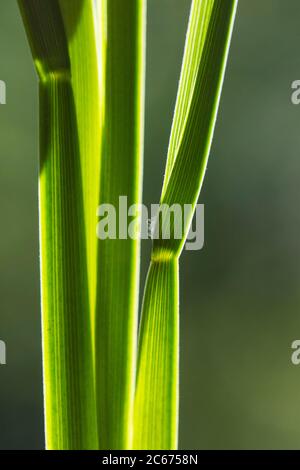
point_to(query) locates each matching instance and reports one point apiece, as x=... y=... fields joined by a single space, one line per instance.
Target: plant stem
x=207 y=45
x=156 y=419
x=69 y=393
x=68 y=371
x=118 y=260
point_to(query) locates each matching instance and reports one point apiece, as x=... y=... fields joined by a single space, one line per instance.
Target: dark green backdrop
x=240 y=295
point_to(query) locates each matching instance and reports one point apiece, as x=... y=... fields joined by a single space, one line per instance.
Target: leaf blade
x=187 y=165
x=202 y=75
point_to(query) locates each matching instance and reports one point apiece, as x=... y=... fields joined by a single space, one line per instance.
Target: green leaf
x=209 y=34
x=156 y=402
x=87 y=57
x=206 y=50
x=118 y=259
x=61 y=35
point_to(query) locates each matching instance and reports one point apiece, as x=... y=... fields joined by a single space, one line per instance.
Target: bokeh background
x=240 y=295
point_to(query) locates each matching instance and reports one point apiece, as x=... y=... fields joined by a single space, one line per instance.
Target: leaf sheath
x=158 y=360
x=118 y=259
x=67 y=347
x=69 y=391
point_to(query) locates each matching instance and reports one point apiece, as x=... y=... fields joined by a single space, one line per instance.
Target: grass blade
x=156 y=403
x=81 y=18
x=210 y=25
x=207 y=44
x=58 y=33
x=118 y=259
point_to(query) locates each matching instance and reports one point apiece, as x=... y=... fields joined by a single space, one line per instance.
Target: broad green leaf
x=118 y=259
x=206 y=50
x=63 y=43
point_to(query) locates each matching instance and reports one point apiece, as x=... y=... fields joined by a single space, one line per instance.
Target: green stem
x=156 y=419
x=206 y=51
x=68 y=372
x=118 y=260
x=69 y=394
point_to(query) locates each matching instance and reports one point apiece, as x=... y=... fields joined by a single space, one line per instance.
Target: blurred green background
x=240 y=295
